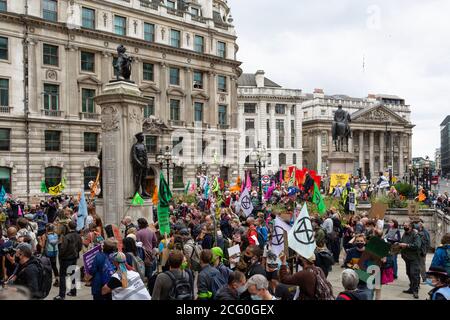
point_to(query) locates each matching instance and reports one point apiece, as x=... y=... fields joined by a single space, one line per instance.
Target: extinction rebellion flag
x=165 y=195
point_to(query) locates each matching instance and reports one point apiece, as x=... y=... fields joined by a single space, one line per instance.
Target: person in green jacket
x=410 y=250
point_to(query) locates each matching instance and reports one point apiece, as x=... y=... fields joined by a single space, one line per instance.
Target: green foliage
x=189 y=198
x=405 y=189
x=392 y=202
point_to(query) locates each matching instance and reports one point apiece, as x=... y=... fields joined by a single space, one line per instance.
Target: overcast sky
x=311 y=44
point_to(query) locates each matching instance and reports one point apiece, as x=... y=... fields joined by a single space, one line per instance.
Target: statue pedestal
x=122 y=115
x=341 y=162
x=136 y=212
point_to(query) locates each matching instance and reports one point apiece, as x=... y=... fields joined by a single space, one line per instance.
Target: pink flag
x=270 y=190
x=248 y=184
x=281 y=176
x=243 y=183
x=20 y=211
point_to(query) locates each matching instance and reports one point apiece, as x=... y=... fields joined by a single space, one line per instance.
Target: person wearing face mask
x=355 y=253
x=280 y=290
x=28 y=270
x=424 y=247
x=235 y=287
x=438 y=278
x=410 y=251
x=252 y=257
x=258 y=287
x=393 y=236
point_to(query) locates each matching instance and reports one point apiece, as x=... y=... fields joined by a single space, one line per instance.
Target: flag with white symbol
x=301 y=236
x=246 y=202
x=277 y=237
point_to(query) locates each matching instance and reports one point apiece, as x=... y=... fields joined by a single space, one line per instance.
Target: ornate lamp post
x=410 y=167
x=165 y=158
x=390 y=174
x=416 y=176
x=259 y=155
x=426 y=173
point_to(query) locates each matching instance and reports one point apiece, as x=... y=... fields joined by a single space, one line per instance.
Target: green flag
x=187 y=187
x=44 y=187
x=165 y=195
x=137 y=200
x=318 y=200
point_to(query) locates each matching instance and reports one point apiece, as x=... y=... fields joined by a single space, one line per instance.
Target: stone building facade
x=56 y=55
x=381 y=128
x=272 y=116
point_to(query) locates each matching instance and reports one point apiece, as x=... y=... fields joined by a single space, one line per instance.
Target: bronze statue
x=341 y=129
x=123 y=64
x=139 y=160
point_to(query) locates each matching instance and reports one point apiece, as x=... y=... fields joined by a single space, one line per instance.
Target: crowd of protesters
x=193 y=262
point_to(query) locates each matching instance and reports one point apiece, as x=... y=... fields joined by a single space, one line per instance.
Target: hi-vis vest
x=444 y=291
x=136 y=289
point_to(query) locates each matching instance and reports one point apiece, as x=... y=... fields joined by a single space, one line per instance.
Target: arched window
x=90 y=174
x=5 y=179
x=52 y=176
x=282 y=159
x=247 y=159
x=294 y=158
x=269 y=159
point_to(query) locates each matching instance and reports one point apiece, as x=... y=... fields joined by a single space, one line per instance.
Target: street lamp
x=426 y=173
x=390 y=174
x=165 y=158
x=410 y=167
x=416 y=176
x=259 y=155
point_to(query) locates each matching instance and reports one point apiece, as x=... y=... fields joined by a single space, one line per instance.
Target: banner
x=137 y=200
x=82 y=212
x=352 y=201
x=165 y=195
x=336 y=179
x=318 y=200
x=246 y=202
x=89 y=256
x=2 y=196
x=301 y=236
x=56 y=190
x=277 y=237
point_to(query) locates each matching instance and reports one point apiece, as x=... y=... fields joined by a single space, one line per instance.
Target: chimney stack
x=318 y=93
x=259 y=77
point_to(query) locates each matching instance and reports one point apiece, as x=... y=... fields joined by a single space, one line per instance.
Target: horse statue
x=341 y=130
x=123 y=64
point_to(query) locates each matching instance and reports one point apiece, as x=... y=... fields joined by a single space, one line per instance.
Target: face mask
x=429 y=282
x=360 y=245
x=406 y=229
x=255 y=297
x=247 y=259
x=240 y=290
x=184 y=266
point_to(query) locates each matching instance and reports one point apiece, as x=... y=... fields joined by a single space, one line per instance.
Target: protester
x=149 y=241
x=441 y=256
x=258 y=287
x=235 y=287
x=102 y=269
x=438 y=278
x=424 y=247
x=209 y=279
x=50 y=242
x=393 y=236
x=410 y=251
x=7 y=253
x=252 y=261
x=28 y=272
x=125 y=284
x=69 y=250
x=350 y=282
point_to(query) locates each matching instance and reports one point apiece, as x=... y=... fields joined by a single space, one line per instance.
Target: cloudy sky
x=311 y=44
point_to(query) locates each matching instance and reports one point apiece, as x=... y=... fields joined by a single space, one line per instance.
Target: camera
x=10 y=250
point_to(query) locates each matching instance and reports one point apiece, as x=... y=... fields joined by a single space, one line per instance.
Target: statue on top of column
x=341 y=129
x=123 y=64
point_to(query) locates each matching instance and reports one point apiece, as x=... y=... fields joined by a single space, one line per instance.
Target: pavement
x=391 y=291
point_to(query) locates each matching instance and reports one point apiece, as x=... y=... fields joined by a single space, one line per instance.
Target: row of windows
x=281 y=159
x=52 y=140
x=279 y=108
x=88 y=20
x=151 y=143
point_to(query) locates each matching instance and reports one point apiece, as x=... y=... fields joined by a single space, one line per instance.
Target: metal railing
x=179 y=123
x=89 y=116
x=51 y=113
x=5 y=109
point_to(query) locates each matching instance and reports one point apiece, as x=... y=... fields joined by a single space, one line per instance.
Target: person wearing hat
x=216 y=261
x=438 y=278
x=258 y=287
x=125 y=284
x=139 y=163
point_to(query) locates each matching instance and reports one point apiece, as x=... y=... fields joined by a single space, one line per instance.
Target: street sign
x=265 y=179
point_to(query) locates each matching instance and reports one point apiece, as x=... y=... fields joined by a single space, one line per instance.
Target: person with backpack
x=312 y=282
x=149 y=241
x=441 y=256
x=28 y=273
x=133 y=259
x=125 y=284
x=69 y=251
x=350 y=280
x=174 y=284
x=191 y=250
x=50 y=242
x=217 y=262
x=263 y=233
x=210 y=280
x=102 y=269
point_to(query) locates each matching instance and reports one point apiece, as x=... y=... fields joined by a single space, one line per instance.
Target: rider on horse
x=341 y=127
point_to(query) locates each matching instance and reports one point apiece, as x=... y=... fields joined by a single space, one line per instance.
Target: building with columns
x=56 y=55
x=381 y=128
x=272 y=116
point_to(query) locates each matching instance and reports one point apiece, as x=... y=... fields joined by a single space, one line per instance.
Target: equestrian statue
x=341 y=130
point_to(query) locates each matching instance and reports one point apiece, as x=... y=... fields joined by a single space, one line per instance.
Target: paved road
x=391 y=291
x=444 y=185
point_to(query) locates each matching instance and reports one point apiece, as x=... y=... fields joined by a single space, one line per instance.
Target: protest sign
x=246 y=202
x=336 y=179
x=89 y=256
x=234 y=254
x=413 y=208
x=378 y=210
x=301 y=236
x=278 y=242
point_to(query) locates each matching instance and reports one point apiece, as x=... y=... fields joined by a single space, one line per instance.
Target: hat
x=348 y=184
x=139 y=134
x=438 y=272
x=184 y=232
x=29 y=216
x=216 y=252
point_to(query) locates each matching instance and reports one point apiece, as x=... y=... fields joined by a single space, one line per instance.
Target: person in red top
x=252 y=234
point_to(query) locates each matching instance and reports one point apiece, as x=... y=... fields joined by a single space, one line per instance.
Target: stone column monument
x=121 y=104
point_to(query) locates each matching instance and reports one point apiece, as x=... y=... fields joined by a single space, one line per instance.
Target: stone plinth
x=122 y=115
x=136 y=212
x=341 y=162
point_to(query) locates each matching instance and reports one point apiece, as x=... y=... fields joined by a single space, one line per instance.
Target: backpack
x=261 y=239
x=51 y=246
x=138 y=265
x=324 y=289
x=217 y=282
x=107 y=270
x=182 y=287
x=148 y=258
x=45 y=276
x=195 y=261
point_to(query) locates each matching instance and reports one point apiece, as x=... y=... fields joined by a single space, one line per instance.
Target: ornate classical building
x=381 y=127
x=56 y=55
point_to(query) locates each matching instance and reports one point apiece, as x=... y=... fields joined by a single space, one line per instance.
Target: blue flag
x=2 y=196
x=82 y=212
